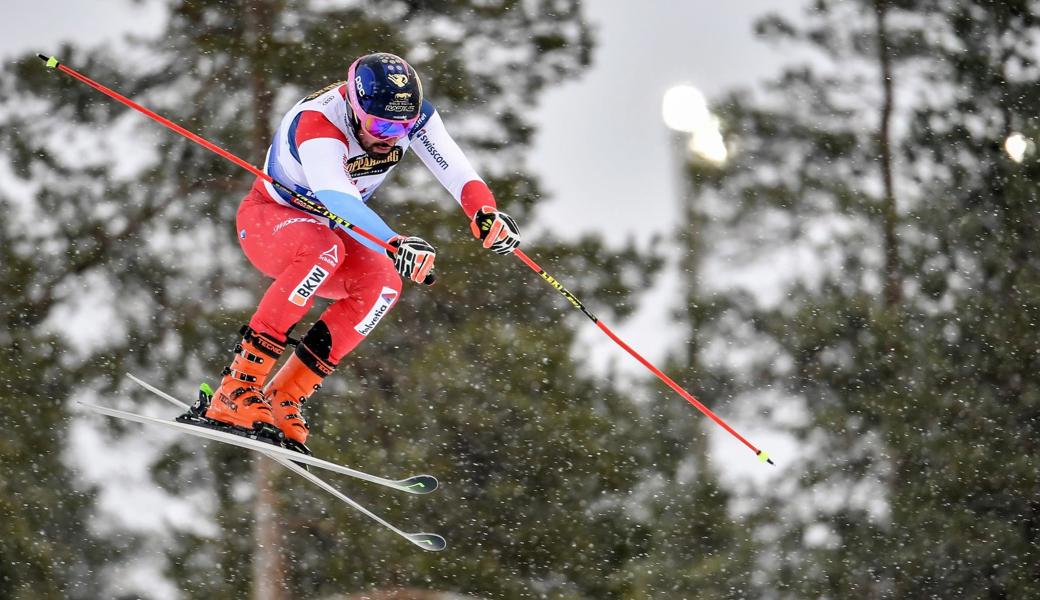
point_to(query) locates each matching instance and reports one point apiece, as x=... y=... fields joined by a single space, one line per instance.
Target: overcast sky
x=602 y=149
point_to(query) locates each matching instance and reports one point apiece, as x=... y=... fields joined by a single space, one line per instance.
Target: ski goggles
x=384 y=129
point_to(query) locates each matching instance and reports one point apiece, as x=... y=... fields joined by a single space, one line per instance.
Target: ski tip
x=427 y=541
x=419 y=484
x=50 y=60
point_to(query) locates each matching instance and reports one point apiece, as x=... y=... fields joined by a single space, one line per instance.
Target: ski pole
x=304 y=202
x=762 y=455
x=315 y=207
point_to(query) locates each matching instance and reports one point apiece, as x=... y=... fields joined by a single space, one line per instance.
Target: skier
x=338 y=145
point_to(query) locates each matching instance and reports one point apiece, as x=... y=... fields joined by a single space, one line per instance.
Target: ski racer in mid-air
x=337 y=146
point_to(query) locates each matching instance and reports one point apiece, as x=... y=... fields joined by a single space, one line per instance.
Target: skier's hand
x=498 y=230
x=413 y=258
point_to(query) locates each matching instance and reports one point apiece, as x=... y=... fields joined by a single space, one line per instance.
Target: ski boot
x=295 y=382
x=238 y=406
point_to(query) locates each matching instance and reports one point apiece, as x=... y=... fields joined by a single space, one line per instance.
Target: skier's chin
x=379 y=149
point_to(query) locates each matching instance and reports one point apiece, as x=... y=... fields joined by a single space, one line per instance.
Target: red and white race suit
x=315 y=149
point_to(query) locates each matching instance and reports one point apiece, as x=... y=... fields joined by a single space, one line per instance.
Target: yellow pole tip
x=763 y=456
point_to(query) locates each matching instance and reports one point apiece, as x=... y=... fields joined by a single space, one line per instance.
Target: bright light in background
x=685 y=109
x=1017 y=145
x=707 y=142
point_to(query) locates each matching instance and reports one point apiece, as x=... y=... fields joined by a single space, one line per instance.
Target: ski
x=417 y=484
x=286 y=458
x=426 y=541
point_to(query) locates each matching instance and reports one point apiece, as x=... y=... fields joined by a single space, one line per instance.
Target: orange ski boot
x=238 y=400
x=299 y=377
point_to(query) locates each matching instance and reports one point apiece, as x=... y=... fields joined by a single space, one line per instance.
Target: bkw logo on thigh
x=308 y=286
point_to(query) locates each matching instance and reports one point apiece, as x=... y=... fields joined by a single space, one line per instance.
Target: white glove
x=498 y=230
x=413 y=258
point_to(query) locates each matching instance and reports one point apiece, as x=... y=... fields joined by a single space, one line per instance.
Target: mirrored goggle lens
x=383 y=128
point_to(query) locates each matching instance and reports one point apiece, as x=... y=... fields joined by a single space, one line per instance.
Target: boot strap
x=246 y=354
x=252 y=396
x=295 y=403
x=262 y=342
x=239 y=375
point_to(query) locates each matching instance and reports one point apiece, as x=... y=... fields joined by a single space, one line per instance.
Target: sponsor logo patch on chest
x=308 y=286
x=360 y=166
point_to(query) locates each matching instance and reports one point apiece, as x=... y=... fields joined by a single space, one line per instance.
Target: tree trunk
x=268 y=565
x=892 y=292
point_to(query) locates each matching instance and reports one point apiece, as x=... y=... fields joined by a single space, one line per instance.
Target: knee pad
x=316 y=347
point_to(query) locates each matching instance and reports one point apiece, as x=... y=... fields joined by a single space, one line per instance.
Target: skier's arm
x=321 y=149
x=443 y=157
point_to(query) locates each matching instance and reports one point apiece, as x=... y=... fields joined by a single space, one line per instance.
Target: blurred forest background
x=904 y=362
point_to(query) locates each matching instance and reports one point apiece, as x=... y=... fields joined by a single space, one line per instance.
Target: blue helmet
x=384 y=94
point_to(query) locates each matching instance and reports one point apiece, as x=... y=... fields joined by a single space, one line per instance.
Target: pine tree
x=56 y=239
x=913 y=366
x=971 y=420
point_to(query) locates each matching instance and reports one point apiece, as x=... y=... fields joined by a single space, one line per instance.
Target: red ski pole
x=762 y=455
x=302 y=201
